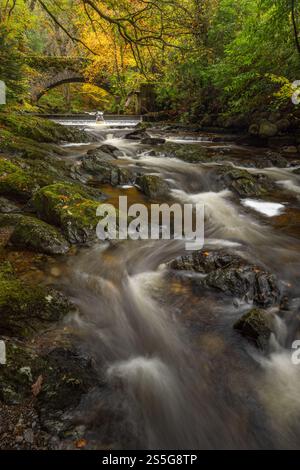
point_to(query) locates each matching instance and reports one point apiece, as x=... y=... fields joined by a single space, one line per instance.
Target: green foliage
x=247 y=45
x=12 y=70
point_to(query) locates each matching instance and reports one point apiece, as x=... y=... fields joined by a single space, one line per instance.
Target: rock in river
x=231 y=275
x=152 y=186
x=244 y=183
x=255 y=325
x=138 y=134
x=104 y=172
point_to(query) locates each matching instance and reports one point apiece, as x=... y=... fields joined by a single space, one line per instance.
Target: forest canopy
x=222 y=56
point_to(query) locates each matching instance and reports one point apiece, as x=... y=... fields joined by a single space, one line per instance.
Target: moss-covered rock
x=256 y=327
x=15 y=182
x=22 y=146
x=40 y=129
x=244 y=183
x=152 y=186
x=67 y=207
x=24 y=308
x=33 y=234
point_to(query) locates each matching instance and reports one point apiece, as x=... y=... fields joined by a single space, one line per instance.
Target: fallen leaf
x=81 y=443
x=37 y=386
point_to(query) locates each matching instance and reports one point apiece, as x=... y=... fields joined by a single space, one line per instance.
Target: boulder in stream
x=243 y=183
x=231 y=275
x=138 y=134
x=105 y=172
x=255 y=325
x=115 y=152
x=152 y=186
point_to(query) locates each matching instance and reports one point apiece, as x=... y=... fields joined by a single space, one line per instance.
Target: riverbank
x=279 y=130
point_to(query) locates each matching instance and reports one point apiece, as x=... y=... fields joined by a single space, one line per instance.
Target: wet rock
x=25 y=308
x=276 y=159
x=152 y=186
x=246 y=282
x=111 y=150
x=33 y=234
x=205 y=261
x=244 y=183
x=66 y=378
x=7 y=206
x=153 y=141
x=267 y=129
x=99 y=156
x=231 y=275
x=256 y=327
x=138 y=134
x=68 y=207
x=107 y=173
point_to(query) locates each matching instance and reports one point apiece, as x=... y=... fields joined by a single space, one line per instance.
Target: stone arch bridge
x=50 y=72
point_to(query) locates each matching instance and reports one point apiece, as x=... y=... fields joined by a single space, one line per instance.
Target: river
x=176 y=373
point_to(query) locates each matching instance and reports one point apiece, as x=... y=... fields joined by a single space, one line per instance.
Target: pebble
x=29 y=436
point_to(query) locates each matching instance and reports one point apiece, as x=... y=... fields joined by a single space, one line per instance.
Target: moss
x=22 y=146
x=25 y=308
x=33 y=234
x=14 y=181
x=40 y=129
x=68 y=207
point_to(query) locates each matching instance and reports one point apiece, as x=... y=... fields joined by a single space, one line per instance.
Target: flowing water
x=175 y=373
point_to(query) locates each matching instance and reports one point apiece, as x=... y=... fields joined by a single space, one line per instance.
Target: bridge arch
x=42 y=86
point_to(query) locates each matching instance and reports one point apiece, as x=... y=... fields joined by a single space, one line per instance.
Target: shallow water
x=176 y=374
